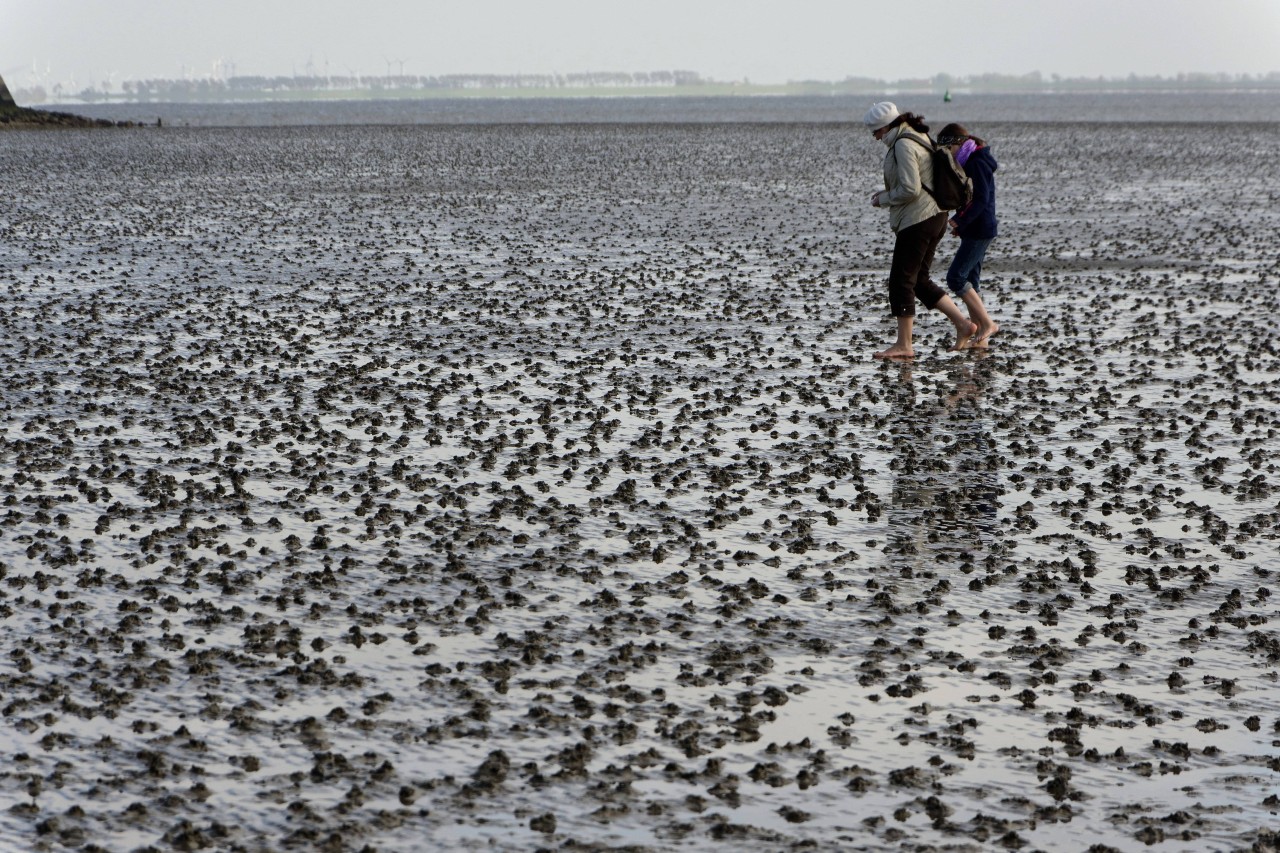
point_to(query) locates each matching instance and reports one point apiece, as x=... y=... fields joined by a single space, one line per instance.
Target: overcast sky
x=764 y=41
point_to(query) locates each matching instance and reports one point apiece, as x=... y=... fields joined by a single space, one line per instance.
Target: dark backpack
x=952 y=188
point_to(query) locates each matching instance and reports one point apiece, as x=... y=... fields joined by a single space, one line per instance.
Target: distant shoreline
x=681 y=85
x=529 y=95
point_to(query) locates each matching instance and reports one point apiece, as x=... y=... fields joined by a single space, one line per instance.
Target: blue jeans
x=966 y=266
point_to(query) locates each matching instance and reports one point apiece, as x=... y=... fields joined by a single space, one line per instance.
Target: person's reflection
x=972 y=452
x=911 y=428
x=946 y=484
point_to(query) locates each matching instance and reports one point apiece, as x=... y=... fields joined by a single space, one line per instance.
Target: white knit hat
x=880 y=115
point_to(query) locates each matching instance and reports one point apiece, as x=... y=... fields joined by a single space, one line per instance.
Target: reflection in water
x=946 y=487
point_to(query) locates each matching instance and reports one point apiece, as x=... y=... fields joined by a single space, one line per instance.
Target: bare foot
x=896 y=351
x=964 y=340
x=984 y=333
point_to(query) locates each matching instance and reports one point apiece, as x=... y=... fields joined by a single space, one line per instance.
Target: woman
x=916 y=220
x=975 y=225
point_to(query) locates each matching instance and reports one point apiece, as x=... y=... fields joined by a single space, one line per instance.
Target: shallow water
x=405 y=486
x=1205 y=107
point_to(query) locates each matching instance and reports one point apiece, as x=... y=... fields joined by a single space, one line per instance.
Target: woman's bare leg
x=902 y=346
x=965 y=328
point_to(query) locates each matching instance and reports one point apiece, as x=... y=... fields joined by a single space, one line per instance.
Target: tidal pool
x=533 y=487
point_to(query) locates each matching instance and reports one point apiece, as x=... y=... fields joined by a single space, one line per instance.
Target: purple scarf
x=965 y=150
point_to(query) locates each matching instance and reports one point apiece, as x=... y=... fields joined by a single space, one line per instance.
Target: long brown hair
x=916 y=122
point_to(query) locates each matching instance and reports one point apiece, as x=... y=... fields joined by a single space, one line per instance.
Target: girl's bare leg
x=978 y=313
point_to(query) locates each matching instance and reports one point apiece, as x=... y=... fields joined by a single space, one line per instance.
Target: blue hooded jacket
x=978 y=220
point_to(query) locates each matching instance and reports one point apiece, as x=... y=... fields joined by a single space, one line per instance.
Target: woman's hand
x=875 y=198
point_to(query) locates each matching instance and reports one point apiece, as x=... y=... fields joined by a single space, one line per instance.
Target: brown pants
x=912 y=257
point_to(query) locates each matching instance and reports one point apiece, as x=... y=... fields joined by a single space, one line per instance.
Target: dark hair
x=916 y=122
x=958 y=133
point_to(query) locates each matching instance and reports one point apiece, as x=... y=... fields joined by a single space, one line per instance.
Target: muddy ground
x=517 y=488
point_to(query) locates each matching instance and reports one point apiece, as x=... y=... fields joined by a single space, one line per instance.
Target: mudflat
x=534 y=487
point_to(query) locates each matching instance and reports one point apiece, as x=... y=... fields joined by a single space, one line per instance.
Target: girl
x=975 y=225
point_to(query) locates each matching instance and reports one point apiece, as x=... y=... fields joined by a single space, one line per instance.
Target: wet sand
x=534 y=488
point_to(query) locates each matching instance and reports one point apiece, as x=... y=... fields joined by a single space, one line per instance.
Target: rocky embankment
x=26 y=117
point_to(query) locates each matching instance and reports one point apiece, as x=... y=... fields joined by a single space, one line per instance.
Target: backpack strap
x=931 y=147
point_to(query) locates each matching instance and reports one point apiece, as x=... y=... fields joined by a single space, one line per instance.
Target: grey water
x=1175 y=107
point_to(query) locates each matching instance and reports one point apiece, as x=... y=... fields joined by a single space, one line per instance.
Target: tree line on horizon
x=247 y=87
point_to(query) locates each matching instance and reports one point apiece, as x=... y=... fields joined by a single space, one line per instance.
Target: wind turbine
x=390 y=62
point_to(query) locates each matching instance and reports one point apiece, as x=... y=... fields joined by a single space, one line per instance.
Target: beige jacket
x=906 y=166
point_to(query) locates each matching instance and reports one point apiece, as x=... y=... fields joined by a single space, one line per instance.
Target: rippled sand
x=534 y=487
